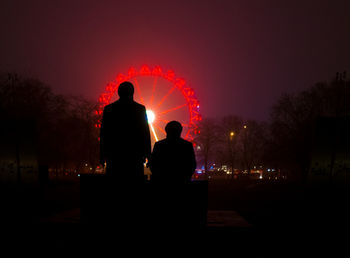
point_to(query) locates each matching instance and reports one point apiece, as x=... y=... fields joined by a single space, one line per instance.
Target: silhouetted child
x=172 y=165
x=173 y=159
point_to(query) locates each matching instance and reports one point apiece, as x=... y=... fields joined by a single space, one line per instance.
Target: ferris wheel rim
x=178 y=83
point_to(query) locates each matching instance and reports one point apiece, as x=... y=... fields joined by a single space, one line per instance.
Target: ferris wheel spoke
x=163 y=120
x=166 y=95
x=154 y=133
x=154 y=95
x=153 y=90
x=139 y=91
x=172 y=109
x=160 y=129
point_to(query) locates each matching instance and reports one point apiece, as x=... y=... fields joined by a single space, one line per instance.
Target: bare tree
x=229 y=131
x=293 y=119
x=206 y=140
x=253 y=139
x=66 y=136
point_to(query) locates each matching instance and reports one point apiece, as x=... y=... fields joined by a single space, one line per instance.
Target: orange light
x=154 y=132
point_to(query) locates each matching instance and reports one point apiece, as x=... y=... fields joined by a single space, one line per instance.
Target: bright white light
x=150 y=116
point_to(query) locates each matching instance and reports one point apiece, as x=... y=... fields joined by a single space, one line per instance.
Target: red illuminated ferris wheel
x=165 y=97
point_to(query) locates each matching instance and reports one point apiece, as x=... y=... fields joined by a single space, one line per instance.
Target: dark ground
x=284 y=216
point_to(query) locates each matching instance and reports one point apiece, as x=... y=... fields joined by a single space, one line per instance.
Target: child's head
x=173 y=129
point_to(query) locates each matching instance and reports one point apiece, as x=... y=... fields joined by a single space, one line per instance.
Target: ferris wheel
x=165 y=96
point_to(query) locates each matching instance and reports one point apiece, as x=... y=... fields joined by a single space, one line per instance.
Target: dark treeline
x=64 y=126
x=231 y=141
x=66 y=136
x=285 y=142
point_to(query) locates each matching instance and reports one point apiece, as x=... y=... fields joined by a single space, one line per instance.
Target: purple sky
x=239 y=56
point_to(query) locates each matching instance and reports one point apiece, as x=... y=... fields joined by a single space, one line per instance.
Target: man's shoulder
x=109 y=106
x=139 y=106
x=112 y=105
x=185 y=142
x=120 y=104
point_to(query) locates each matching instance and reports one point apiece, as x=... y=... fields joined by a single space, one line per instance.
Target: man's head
x=173 y=129
x=126 y=90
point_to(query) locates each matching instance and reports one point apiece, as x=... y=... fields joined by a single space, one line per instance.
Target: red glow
x=153 y=90
x=172 y=109
x=161 y=129
x=166 y=95
x=131 y=72
x=170 y=75
x=145 y=70
x=139 y=91
x=164 y=121
x=178 y=84
x=157 y=71
x=121 y=78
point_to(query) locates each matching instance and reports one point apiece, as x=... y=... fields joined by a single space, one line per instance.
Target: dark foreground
x=250 y=218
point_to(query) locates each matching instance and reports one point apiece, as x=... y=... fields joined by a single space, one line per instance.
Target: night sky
x=239 y=56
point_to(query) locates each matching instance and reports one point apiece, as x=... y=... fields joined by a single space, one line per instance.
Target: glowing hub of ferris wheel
x=150 y=116
x=165 y=96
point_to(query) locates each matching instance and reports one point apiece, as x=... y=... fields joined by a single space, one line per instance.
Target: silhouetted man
x=125 y=137
x=173 y=159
